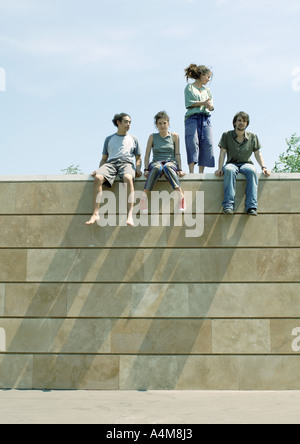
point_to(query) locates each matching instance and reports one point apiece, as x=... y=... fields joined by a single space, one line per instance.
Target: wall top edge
x=88 y=178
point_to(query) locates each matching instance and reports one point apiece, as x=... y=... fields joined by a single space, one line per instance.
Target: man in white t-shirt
x=121 y=155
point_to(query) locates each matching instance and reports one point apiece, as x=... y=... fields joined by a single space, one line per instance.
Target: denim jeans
x=230 y=174
x=199 y=140
x=156 y=169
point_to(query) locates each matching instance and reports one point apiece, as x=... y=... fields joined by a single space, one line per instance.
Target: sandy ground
x=151 y=407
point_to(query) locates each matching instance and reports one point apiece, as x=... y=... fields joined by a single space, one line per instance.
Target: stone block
x=179 y=373
x=75 y=372
x=155 y=336
x=289 y=230
x=8 y=198
x=204 y=265
x=278 y=265
x=53 y=265
x=99 y=300
x=57 y=335
x=16 y=371
x=285 y=336
x=38 y=198
x=160 y=300
x=13 y=265
x=2 y=299
x=35 y=300
x=235 y=336
x=269 y=372
x=244 y=300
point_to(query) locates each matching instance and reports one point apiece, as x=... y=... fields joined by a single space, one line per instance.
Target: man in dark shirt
x=239 y=145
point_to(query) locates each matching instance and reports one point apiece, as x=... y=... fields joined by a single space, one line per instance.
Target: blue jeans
x=230 y=174
x=199 y=140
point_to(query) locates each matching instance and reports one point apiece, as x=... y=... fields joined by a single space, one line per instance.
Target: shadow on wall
x=106 y=308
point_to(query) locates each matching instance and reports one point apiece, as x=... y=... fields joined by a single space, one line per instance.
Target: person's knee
x=99 y=179
x=167 y=168
x=128 y=179
x=229 y=169
x=157 y=167
x=249 y=171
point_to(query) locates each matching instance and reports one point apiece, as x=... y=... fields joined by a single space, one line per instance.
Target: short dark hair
x=119 y=118
x=243 y=115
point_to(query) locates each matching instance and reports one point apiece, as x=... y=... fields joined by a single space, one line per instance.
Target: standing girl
x=166 y=160
x=198 y=131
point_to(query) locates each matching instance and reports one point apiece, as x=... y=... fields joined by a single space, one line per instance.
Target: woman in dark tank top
x=166 y=160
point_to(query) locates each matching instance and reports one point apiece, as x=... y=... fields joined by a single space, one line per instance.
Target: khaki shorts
x=110 y=170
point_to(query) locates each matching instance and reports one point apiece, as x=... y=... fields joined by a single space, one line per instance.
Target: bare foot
x=93 y=219
x=130 y=220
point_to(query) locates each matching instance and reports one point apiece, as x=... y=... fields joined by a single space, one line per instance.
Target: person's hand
x=267 y=173
x=94 y=173
x=146 y=173
x=208 y=105
x=219 y=173
x=181 y=173
x=138 y=173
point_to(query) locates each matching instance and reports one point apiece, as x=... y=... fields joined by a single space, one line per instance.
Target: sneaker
x=228 y=210
x=144 y=205
x=182 y=205
x=252 y=212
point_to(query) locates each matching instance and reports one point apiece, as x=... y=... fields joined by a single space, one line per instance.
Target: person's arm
x=138 y=164
x=147 y=155
x=223 y=153
x=192 y=102
x=261 y=163
x=103 y=161
x=206 y=104
x=175 y=137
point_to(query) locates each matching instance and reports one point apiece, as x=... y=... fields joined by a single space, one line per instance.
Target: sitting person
x=166 y=160
x=121 y=150
x=238 y=145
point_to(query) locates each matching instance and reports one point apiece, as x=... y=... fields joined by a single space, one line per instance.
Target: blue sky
x=70 y=65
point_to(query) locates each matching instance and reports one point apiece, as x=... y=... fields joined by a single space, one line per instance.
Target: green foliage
x=72 y=169
x=289 y=162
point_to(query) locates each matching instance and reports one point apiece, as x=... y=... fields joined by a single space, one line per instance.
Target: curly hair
x=195 y=72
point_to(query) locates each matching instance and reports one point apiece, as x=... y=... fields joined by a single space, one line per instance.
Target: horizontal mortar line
x=187 y=355
x=193 y=213
x=149 y=282
x=153 y=318
x=156 y=248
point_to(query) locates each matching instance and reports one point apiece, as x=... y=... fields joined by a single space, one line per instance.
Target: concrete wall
x=147 y=307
